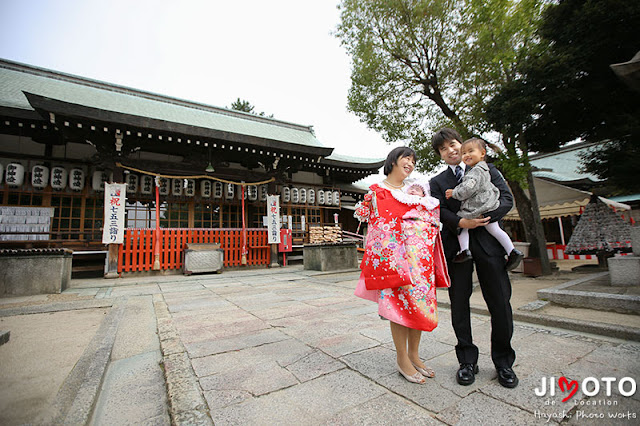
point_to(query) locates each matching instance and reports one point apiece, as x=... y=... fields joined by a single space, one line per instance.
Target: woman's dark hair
x=395 y=155
x=443 y=135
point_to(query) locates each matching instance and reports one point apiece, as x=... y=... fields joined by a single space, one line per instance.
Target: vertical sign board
x=273 y=218
x=114 y=209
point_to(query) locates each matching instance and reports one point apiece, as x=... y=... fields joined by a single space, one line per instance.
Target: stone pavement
x=285 y=346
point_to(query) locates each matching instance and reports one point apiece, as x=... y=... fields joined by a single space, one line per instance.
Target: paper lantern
x=303 y=195
x=39 y=176
x=132 y=183
x=1 y=172
x=311 y=196
x=328 y=198
x=76 y=179
x=321 y=198
x=336 y=198
x=240 y=193
x=253 y=192
x=295 y=195
x=176 y=187
x=59 y=177
x=263 y=192
x=14 y=175
x=286 y=194
x=190 y=189
x=230 y=192
x=147 y=185
x=98 y=179
x=164 y=187
x=206 y=188
x=218 y=189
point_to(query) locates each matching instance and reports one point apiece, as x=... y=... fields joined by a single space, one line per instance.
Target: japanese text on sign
x=273 y=218
x=114 y=208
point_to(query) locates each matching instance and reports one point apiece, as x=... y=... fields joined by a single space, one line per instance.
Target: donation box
x=286 y=244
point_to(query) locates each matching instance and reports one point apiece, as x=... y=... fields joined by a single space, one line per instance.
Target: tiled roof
x=563 y=165
x=17 y=78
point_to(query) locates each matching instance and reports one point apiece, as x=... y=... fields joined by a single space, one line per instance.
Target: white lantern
x=206 y=188
x=321 y=199
x=231 y=191
x=303 y=195
x=98 y=179
x=253 y=192
x=39 y=176
x=190 y=189
x=286 y=194
x=1 y=172
x=76 y=179
x=328 y=198
x=311 y=196
x=218 y=190
x=263 y=192
x=132 y=183
x=59 y=177
x=176 y=187
x=336 y=198
x=14 y=175
x=240 y=192
x=164 y=187
x=147 y=185
x=295 y=195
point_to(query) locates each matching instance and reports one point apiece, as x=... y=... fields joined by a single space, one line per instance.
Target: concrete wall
x=330 y=257
x=34 y=274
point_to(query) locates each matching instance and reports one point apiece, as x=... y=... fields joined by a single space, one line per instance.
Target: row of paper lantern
x=14 y=175
x=308 y=196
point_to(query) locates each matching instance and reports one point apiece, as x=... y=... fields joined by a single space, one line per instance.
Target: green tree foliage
x=245 y=106
x=566 y=89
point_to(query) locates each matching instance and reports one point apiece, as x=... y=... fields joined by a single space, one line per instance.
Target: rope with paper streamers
x=133 y=169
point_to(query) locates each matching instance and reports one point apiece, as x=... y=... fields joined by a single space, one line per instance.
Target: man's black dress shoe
x=507 y=377
x=466 y=374
x=514 y=259
x=463 y=256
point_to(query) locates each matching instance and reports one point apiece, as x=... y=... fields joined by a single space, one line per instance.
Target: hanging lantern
x=328 y=198
x=263 y=192
x=218 y=189
x=321 y=198
x=39 y=176
x=76 y=179
x=253 y=192
x=240 y=193
x=206 y=188
x=190 y=188
x=14 y=176
x=147 y=185
x=1 y=172
x=59 y=177
x=311 y=196
x=132 y=183
x=164 y=187
x=98 y=179
x=336 y=198
x=295 y=195
x=176 y=187
x=231 y=191
x=303 y=195
x=286 y=194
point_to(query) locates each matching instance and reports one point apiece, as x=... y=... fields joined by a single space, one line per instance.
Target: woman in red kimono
x=403 y=260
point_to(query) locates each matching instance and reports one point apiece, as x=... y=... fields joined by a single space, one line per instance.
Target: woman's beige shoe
x=416 y=378
x=426 y=371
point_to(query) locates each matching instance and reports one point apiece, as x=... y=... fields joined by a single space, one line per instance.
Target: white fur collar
x=427 y=201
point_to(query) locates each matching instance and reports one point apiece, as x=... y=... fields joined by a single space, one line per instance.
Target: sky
x=280 y=55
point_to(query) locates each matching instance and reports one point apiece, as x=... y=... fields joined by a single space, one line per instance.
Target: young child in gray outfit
x=479 y=196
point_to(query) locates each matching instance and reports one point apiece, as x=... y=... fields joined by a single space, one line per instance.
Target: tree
x=419 y=65
x=245 y=106
x=567 y=90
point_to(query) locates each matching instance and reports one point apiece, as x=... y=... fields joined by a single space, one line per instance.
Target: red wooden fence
x=136 y=252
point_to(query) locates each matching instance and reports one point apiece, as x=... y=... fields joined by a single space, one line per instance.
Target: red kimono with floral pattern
x=398 y=268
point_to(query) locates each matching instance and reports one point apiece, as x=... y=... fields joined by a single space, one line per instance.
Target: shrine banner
x=273 y=218
x=114 y=208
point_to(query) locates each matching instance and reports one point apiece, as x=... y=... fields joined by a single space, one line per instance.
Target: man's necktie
x=459 y=173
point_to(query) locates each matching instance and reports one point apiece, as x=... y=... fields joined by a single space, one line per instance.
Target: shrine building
x=63 y=136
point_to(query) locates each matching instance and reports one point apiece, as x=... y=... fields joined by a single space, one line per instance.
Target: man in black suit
x=489 y=258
